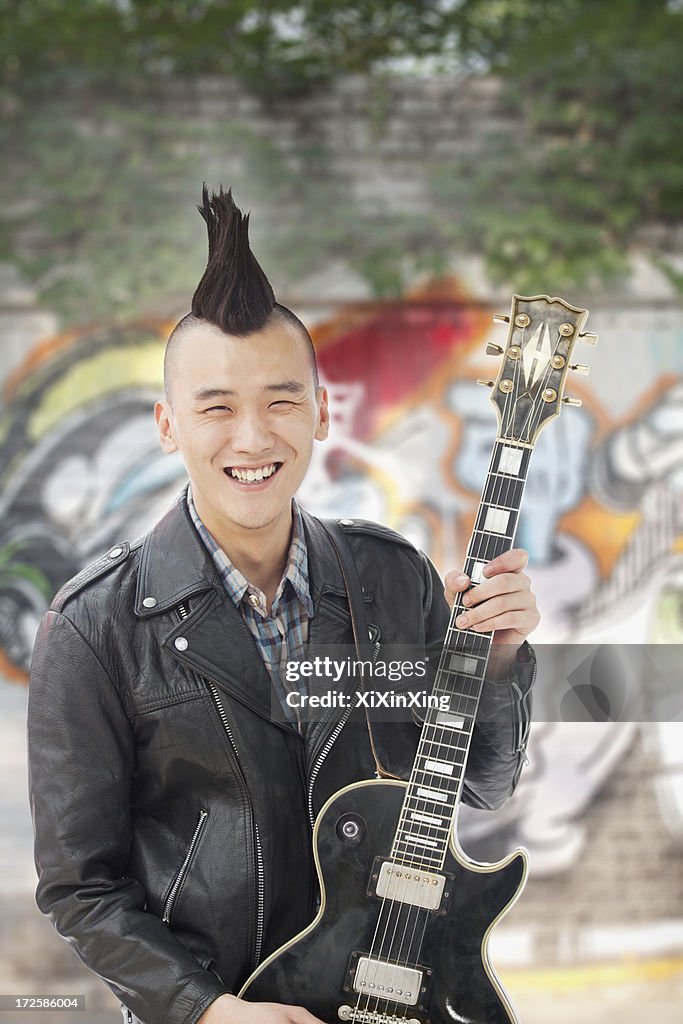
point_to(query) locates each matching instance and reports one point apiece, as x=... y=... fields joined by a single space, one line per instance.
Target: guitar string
x=506 y=485
x=489 y=497
x=399 y=908
x=526 y=453
x=394 y=892
x=492 y=499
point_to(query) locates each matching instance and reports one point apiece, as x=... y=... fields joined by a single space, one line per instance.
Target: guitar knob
x=350 y=829
x=589 y=338
x=494 y=350
x=485 y=383
x=572 y=401
x=501 y=318
x=580 y=368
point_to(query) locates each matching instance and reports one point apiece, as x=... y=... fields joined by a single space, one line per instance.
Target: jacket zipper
x=260 y=897
x=168 y=906
x=260 y=885
x=319 y=763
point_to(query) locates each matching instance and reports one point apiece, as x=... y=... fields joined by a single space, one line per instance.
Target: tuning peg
x=485 y=383
x=493 y=350
x=580 y=368
x=572 y=401
x=589 y=338
x=501 y=318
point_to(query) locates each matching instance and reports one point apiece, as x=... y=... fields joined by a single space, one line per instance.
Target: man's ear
x=323 y=427
x=165 y=428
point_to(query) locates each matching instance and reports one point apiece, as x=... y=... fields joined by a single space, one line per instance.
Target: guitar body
x=313 y=969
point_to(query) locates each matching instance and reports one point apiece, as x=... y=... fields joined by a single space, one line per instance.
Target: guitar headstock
x=529 y=389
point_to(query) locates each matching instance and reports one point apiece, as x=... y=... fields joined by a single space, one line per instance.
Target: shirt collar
x=296 y=570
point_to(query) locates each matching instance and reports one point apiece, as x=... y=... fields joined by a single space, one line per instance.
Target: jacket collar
x=175 y=563
x=212 y=638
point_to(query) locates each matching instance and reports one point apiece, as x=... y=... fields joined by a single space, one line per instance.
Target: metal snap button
x=115 y=552
x=346 y=522
x=150 y=602
x=181 y=643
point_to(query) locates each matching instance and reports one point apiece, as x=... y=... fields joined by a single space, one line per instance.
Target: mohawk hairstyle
x=234 y=293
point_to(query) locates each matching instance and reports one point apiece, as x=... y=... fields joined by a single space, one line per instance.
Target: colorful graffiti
x=409 y=444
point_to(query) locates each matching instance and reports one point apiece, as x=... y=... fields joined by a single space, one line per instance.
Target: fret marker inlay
x=510 y=461
x=477 y=572
x=428 y=819
x=433 y=794
x=463 y=663
x=496 y=519
x=449 y=721
x=414 y=840
x=440 y=767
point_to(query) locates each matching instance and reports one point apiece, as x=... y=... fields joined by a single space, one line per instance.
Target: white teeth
x=250 y=476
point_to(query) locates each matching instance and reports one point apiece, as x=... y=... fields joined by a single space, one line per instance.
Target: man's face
x=244 y=413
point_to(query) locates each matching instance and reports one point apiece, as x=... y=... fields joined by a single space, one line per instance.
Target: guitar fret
x=499 y=504
x=444 y=693
x=437 y=754
x=457 y=748
x=489 y=533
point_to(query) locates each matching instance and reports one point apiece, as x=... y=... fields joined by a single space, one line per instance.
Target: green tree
x=94 y=192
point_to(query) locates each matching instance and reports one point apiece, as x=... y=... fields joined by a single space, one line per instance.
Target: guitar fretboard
x=433 y=792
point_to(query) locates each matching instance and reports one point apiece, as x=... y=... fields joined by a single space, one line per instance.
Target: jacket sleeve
x=81 y=760
x=498 y=749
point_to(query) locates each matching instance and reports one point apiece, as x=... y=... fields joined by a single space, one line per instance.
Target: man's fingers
x=455 y=582
x=514 y=560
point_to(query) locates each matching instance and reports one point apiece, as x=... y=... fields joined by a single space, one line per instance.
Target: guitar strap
x=359 y=622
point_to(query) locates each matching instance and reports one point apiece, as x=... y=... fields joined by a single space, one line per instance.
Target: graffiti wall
x=409 y=446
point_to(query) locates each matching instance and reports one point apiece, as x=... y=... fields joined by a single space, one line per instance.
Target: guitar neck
x=436 y=780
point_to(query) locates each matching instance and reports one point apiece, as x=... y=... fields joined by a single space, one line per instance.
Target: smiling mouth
x=252 y=475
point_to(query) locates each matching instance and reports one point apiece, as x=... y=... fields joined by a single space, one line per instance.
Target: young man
x=172 y=786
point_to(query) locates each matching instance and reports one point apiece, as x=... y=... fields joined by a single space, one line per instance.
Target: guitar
x=404 y=920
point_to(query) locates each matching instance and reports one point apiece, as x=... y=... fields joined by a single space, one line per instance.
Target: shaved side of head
x=234 y=293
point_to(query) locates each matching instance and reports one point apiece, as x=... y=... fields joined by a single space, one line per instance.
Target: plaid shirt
x=281 y=635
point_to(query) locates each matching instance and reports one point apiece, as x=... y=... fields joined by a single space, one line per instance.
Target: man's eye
x=281 y=401
x=218 y=408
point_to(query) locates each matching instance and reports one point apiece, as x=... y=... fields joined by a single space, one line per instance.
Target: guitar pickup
x=403 y=884
x=407 y=984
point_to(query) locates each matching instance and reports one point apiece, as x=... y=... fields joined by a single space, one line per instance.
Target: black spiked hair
x=234 y=293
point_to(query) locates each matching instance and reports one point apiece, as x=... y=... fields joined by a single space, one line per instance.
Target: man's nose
x=250 y=432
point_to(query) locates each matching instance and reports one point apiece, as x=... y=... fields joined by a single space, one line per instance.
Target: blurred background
x=408 y=165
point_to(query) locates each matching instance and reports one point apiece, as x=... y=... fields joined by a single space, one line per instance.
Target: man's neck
x=259 y=554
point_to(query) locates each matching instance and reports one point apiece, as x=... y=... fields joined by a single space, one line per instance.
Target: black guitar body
x=316 y=969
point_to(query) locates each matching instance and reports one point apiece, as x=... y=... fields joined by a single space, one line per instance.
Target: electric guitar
x=402 y=930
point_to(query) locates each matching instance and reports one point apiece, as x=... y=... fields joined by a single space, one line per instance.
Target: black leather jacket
x=172 y=815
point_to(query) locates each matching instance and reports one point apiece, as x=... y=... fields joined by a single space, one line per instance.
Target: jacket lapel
x=212 y=639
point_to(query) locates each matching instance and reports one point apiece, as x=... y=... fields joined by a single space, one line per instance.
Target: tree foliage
x=94 y=194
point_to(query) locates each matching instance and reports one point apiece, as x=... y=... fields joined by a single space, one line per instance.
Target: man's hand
x=228 y=1009
x=503 y=602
